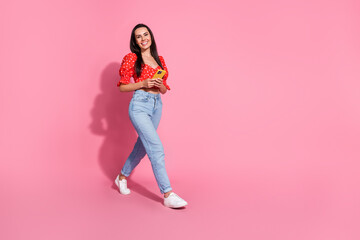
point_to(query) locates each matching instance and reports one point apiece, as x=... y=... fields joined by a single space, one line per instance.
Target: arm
x=164 y=79
x=131 y=86
x=161 y=86
x=127 y=71
x=147 y=83
x=163 y=89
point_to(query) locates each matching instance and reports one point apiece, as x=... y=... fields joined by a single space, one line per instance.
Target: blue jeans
x=145 y=112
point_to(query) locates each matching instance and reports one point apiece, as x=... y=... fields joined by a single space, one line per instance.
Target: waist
x=147 y=94
x=150 y=90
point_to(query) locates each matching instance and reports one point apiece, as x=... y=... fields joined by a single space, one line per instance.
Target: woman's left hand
x=158 y=82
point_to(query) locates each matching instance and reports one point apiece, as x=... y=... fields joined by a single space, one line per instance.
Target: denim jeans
x=145 y=111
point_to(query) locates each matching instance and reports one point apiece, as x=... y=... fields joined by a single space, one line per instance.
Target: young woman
x=145 y=110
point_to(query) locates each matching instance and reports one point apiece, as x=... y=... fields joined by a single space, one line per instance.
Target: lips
x=144 y=43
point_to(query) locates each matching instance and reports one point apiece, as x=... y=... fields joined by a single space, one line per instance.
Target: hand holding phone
x=148 y=83
x=158 y=82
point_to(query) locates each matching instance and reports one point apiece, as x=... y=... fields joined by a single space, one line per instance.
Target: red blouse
x=127 y=70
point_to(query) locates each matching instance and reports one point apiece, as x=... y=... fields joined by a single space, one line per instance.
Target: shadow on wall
x=110 y=119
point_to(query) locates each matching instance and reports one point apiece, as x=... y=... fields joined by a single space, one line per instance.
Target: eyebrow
x=140 y=34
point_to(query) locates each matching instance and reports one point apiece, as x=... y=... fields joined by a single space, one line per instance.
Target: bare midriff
x=150 y=90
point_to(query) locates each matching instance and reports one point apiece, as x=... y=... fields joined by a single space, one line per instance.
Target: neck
x=146 y=52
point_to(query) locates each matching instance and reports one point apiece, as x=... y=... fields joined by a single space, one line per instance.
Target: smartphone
x=159 y=74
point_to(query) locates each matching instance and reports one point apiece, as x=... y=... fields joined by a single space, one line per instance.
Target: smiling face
x=143 y=38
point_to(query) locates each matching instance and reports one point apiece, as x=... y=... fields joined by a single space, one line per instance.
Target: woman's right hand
x=149 y=83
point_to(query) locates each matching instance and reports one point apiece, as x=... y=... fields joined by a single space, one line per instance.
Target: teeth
x=144 y=43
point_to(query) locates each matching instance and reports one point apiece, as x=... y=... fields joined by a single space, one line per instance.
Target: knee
x=158 y=156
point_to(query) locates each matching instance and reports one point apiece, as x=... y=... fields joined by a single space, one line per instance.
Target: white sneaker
x=174 y=201
x=122 y=185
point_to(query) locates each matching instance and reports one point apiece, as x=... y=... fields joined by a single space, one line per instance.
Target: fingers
x=156 y=79
x=155 y=82
x=158 y=83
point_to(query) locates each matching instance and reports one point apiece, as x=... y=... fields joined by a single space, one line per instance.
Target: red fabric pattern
x=127 y=70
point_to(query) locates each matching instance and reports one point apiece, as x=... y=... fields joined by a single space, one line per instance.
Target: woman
x=145 y=110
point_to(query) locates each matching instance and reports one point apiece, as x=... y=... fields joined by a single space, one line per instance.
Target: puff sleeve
x=127 y=68
x=167 y=72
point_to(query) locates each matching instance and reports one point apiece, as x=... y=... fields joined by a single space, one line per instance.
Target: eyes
x=138 y=36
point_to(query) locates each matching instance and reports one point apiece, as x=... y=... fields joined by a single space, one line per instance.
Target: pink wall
x=260 y=128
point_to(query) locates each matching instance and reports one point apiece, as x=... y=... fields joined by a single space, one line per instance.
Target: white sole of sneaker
x=180 y=206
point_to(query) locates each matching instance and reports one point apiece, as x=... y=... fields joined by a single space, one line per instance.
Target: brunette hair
x=134 y=47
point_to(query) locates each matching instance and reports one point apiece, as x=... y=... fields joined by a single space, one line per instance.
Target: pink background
x=260 y=128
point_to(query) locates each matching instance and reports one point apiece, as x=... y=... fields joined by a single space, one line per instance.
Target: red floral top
x=127 y=70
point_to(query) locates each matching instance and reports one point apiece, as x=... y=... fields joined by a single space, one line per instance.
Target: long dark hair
x=134 y=47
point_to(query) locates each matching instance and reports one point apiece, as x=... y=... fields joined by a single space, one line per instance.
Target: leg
x=138 y=152
x=134 y=158
x=147 y=132
x=156 y=120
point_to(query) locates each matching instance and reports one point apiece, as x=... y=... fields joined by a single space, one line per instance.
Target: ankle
x=121 y=177
x=167 y=194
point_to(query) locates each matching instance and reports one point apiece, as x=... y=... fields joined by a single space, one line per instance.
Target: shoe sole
x=176 y=206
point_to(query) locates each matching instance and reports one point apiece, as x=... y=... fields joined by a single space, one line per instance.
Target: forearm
x=130 y=86
x=163 y=89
